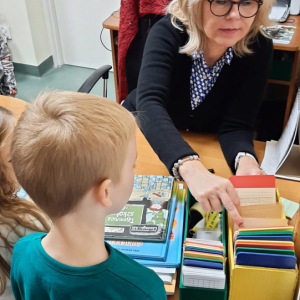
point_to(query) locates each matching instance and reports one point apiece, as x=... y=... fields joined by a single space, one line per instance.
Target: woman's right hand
x=211 y=190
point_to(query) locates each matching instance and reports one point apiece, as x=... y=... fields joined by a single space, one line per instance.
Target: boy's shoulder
x=31 y=237
x=26 y=242
x=137 y=276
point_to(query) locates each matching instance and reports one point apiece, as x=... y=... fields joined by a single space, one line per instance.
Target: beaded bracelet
x=175 y=168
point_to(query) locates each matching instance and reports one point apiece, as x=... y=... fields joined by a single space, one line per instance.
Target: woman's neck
x=212 y=53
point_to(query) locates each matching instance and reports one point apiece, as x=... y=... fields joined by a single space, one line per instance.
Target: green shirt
x=35 y=276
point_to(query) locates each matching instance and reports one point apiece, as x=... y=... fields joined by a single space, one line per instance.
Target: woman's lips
x=229 y=30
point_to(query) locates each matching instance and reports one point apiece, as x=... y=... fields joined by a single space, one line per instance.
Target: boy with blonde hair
x=74 y=154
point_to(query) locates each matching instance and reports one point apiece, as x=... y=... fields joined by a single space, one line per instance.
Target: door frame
x=53 y=32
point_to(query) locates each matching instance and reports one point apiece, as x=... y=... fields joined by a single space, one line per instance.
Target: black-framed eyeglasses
x=247 y=8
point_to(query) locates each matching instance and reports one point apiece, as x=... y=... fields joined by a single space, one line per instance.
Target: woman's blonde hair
x=189 y=12
x=14 y=212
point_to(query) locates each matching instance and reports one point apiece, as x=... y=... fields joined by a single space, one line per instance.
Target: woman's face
x=225 y=31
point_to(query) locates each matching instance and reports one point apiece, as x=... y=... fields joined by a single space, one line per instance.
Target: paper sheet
x=269 y=164
x=253 y=196
x=288 y=136
x=163 y=270
x=204 y=281
x=276 y=153
x=290 y=207
x=265 y=211
x=166 y=278
x=259 y=222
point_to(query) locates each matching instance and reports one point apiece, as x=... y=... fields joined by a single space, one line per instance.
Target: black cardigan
x=162 y=97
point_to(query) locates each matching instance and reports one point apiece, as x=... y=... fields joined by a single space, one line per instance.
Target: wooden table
x=15 y=105
x=112 y=23
x=206 y=145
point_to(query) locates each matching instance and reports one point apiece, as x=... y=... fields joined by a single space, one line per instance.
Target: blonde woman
x=18 y=217
x=205 y=68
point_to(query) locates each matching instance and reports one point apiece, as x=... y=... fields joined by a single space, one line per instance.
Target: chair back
x=136 y=49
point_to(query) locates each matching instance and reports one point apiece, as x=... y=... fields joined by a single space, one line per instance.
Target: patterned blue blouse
x=203 y=78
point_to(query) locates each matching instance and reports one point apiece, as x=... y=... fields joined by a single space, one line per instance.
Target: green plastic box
x=191 y=293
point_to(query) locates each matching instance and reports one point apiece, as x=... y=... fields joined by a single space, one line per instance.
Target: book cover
x=173 y=258
x=148 y=250
x=281 y=34
x=146 y=214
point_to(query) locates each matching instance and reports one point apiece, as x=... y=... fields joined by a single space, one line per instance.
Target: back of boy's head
x=65 y=143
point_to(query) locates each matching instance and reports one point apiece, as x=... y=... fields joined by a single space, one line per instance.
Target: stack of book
x=149 y=228
x=203 y=264
x=269 y=247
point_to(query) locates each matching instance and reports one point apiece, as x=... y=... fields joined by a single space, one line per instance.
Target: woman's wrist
x=240 y=155
x=177 y=165
x=248 y=166
x=189 y=168
x=245 y=160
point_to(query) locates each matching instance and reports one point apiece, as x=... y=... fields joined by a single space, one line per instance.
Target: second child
x=74 y=154
x=18 y=217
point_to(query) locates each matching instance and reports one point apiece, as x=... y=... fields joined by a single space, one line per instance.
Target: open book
x=282 y=158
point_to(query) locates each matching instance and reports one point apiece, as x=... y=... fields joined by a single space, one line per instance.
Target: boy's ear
x=102 y=193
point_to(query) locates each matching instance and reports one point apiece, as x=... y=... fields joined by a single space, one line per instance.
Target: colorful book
x=148 y=250
x=146 y=215
x=173 y=258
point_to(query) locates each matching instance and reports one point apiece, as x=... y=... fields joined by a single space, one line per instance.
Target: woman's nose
x=234 y=12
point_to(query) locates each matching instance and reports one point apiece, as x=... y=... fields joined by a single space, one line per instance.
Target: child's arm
x=8 y=82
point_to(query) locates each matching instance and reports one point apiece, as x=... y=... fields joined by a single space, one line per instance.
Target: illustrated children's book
x=146 y=215
x=148 y=250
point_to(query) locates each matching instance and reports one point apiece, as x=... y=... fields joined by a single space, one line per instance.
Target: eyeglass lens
x=247 y=8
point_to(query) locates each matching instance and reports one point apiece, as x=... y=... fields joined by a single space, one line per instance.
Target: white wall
x=14 y=14
x=80 y=24
x=38 y=27
x=29 y=44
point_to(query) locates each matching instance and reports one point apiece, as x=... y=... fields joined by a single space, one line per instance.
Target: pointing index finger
x=232 y=209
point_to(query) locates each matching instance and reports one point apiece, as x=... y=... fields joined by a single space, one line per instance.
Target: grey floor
x=66 y=77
